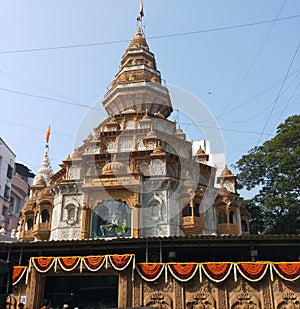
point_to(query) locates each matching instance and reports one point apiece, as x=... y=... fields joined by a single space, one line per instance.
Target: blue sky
x=238 y=73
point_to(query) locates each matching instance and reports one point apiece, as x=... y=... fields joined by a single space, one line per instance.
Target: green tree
x=273 y=169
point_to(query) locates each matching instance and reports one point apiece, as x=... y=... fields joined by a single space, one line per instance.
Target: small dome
x=41 y=182
x=200 y=152
x=129 y=111
x=113 y=168
x=226 y=172
x=179 y=131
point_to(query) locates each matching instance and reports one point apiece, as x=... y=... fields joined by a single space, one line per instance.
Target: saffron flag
x=48 y=135
x=141 y=11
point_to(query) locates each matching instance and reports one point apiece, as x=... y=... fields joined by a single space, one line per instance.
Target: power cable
x=35 y=86
x=33 y=128
x=49 y=98
x=255 y=58
x=267 y=108
x=279 y=92
x=152 y=37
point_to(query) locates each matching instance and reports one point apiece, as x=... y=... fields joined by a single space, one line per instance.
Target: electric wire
x=279 y=93
x=255 y=58
x=170 y=35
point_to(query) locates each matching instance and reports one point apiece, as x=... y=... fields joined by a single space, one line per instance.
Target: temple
x=136 y=175
x=136 y=217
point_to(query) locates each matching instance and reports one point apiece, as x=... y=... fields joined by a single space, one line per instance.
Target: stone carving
x=288 y=300
x=245 y=301
x=159 y=285
x=74 y=172
x=201 y=301
x=159 y=300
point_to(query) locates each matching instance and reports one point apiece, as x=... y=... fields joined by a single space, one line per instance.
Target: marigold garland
x=18 y=273
x=120 y=262
x=43 y=264
x=252 y=271
x=217 y=272
x=68 y=263
x=94 y=263
x=150 y=271
x=183 y=272
x=288 y=271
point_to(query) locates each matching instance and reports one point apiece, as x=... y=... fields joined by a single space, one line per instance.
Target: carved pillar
x=267 y=297
x=125 y=289
x=37 y=284
x=135 y=221
x=86 y=219
x=178 y=301
x=222 y=296
x=136 y=290
x=135 y=204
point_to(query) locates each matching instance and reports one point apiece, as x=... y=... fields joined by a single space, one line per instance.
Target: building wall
x=7 y=161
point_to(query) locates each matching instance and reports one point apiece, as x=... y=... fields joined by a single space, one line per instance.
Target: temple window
x=187 y=211
x=71 y=213
x=232 y=218
x=222 y=218
x=126 y=145
x=29 y=224
x=197 y=210
x=202 y=180
x=45 y=216
x=244 y=226
x=140 y=145
x=129 y=125
x=111 y=146
x=37 y=217
x=155 y=209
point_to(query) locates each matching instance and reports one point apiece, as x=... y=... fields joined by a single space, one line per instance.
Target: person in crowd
x=46 y=304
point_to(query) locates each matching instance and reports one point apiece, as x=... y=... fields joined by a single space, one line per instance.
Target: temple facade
x=136 y=175
x=136 y=218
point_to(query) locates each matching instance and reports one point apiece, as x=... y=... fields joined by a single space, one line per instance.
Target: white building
x=15 y=182
x=7 y=161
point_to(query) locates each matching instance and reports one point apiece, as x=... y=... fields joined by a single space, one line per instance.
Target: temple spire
x=45 y=171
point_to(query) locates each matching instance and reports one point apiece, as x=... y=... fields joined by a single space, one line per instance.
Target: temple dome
x=113 y=168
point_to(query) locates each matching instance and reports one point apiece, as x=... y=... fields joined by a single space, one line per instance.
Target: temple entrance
x=89 y=292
